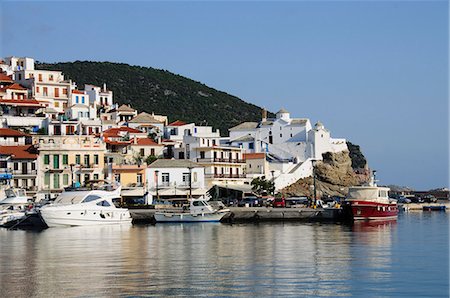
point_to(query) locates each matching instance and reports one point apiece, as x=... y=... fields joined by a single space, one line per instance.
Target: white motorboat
x=85 y=207
x=11 y=213
x=14 y=196
x=199 y=211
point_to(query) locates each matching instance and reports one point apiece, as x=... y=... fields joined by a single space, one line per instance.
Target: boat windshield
x=71 y=197
x=90 y=198
x=21 y=193
x=104 y=203
x=199 y=203
x=363 y=193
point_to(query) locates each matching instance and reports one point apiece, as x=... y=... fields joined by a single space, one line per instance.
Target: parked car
x=279 y=202
x=416 y=200
x=429 y=199
x=403 y=200
x=294 y=201
x=253 y=201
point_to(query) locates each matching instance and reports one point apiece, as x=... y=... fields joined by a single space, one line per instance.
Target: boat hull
x=187 y=217
x=58 y=217
x=368 y=210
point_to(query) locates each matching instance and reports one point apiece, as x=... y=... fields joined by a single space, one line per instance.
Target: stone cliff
x=333 y=177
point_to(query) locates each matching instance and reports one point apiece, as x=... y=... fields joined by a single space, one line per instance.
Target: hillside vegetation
x=160 y=91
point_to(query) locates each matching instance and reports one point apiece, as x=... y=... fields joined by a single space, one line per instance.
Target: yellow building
x=66 y=159
x=132 y=179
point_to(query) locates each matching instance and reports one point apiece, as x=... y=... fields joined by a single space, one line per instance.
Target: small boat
x=12 y=195
x=11 y=214
x=371 y=202
x=434 y=208
x=85 y=207
x=199 y=211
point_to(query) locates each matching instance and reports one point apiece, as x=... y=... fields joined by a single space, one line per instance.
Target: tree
x=261 y=185
x=150 y=159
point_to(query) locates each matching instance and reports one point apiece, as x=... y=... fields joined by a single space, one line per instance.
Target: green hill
x=160 y=91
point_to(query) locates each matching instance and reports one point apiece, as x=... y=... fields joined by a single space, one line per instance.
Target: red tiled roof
x=254 y=155
x=19 y=152
x=111 y=132
x=16 y=86
x=177 y=123
x=77 y=91
x=5 y=78
x=145 y=142
x=8 y=132
x=21 y=102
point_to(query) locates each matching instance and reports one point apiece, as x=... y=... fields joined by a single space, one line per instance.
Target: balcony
x=220 y=160
x=225 y=176
x=182 y=185
x=24 y=173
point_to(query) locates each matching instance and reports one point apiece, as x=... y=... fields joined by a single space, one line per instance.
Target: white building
x=171 y=178
x=101 y=97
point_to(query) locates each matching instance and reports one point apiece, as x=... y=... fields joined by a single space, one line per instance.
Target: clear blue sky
x=373 y=72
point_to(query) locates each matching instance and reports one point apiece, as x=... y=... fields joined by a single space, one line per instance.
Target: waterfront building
x=21 y=162
x=64 y=160
x=133 y=181
x=172 y=179
x=291 y=144
x=257 y=165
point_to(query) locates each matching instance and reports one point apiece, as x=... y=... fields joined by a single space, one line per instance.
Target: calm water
x=407 y=258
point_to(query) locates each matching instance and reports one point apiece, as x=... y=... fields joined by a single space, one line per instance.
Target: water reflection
x=193 y=259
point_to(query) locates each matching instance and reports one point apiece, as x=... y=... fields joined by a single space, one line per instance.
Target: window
x=56 y=104
x=50 y=77
x=82 y=99
x=33 y=166
x=65 y=179
x=87 y=177
x=165 y=178
x=281 y=135
x=77 y=99
x=86 y=160
x=64 y=91
x=56 y=161
x=141 y=152
x=103 y=203
x=20 y=76
x=77 y=159
x=117 y=177
x=45 y=91
x=90 y=198
x=3 y=164
x=202 y=154
x=96 y=159
x=139 y=179
x=40 y=77
x=65 y=159
x=152 y=152
x=37 y=89
x=16 y=166
x=186 y=179
x=47 y=179
x=46 y=159
x=251 y=145
x=56 y=180
x=56 y=92
x=195 y=177
x=16 y=139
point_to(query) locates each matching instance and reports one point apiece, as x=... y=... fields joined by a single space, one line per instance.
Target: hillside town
x=55 y=135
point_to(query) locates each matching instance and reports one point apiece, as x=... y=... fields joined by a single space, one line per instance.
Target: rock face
x=333 y=177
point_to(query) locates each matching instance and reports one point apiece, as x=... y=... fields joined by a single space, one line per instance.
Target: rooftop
x=254 y=155
x=8 y=132
x=5 y=78
x=145 y=142
x=245 y=126
x=173 y=163
x=19 y=152
x=126 y=108
x=177 y=123
x=144 y=118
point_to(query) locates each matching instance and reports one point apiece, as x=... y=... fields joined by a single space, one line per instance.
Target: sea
x=406 y=258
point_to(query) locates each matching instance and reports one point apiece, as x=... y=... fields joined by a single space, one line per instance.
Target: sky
x=374 y=72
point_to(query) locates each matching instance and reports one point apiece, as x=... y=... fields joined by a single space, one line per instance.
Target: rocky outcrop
x=333 y=177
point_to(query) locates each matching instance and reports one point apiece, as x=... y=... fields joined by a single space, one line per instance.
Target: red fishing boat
x=371 y=202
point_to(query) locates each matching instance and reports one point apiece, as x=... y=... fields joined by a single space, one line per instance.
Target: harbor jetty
x=261 y=214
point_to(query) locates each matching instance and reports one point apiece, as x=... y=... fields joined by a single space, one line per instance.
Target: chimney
x=264 y=114
x=135 y=140
x=104 y=87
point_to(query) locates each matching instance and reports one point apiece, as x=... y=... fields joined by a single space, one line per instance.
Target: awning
x=238 y=187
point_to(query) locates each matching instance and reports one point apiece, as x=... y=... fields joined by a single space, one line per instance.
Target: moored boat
x=12 y=195
x=371 y=202
x=85 y=207
x=199 y=211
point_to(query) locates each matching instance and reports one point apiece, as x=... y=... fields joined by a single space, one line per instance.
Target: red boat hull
x=368 y=210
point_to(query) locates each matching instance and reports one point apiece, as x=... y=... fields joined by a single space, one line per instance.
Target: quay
x=420 y=206
x=260 y=214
